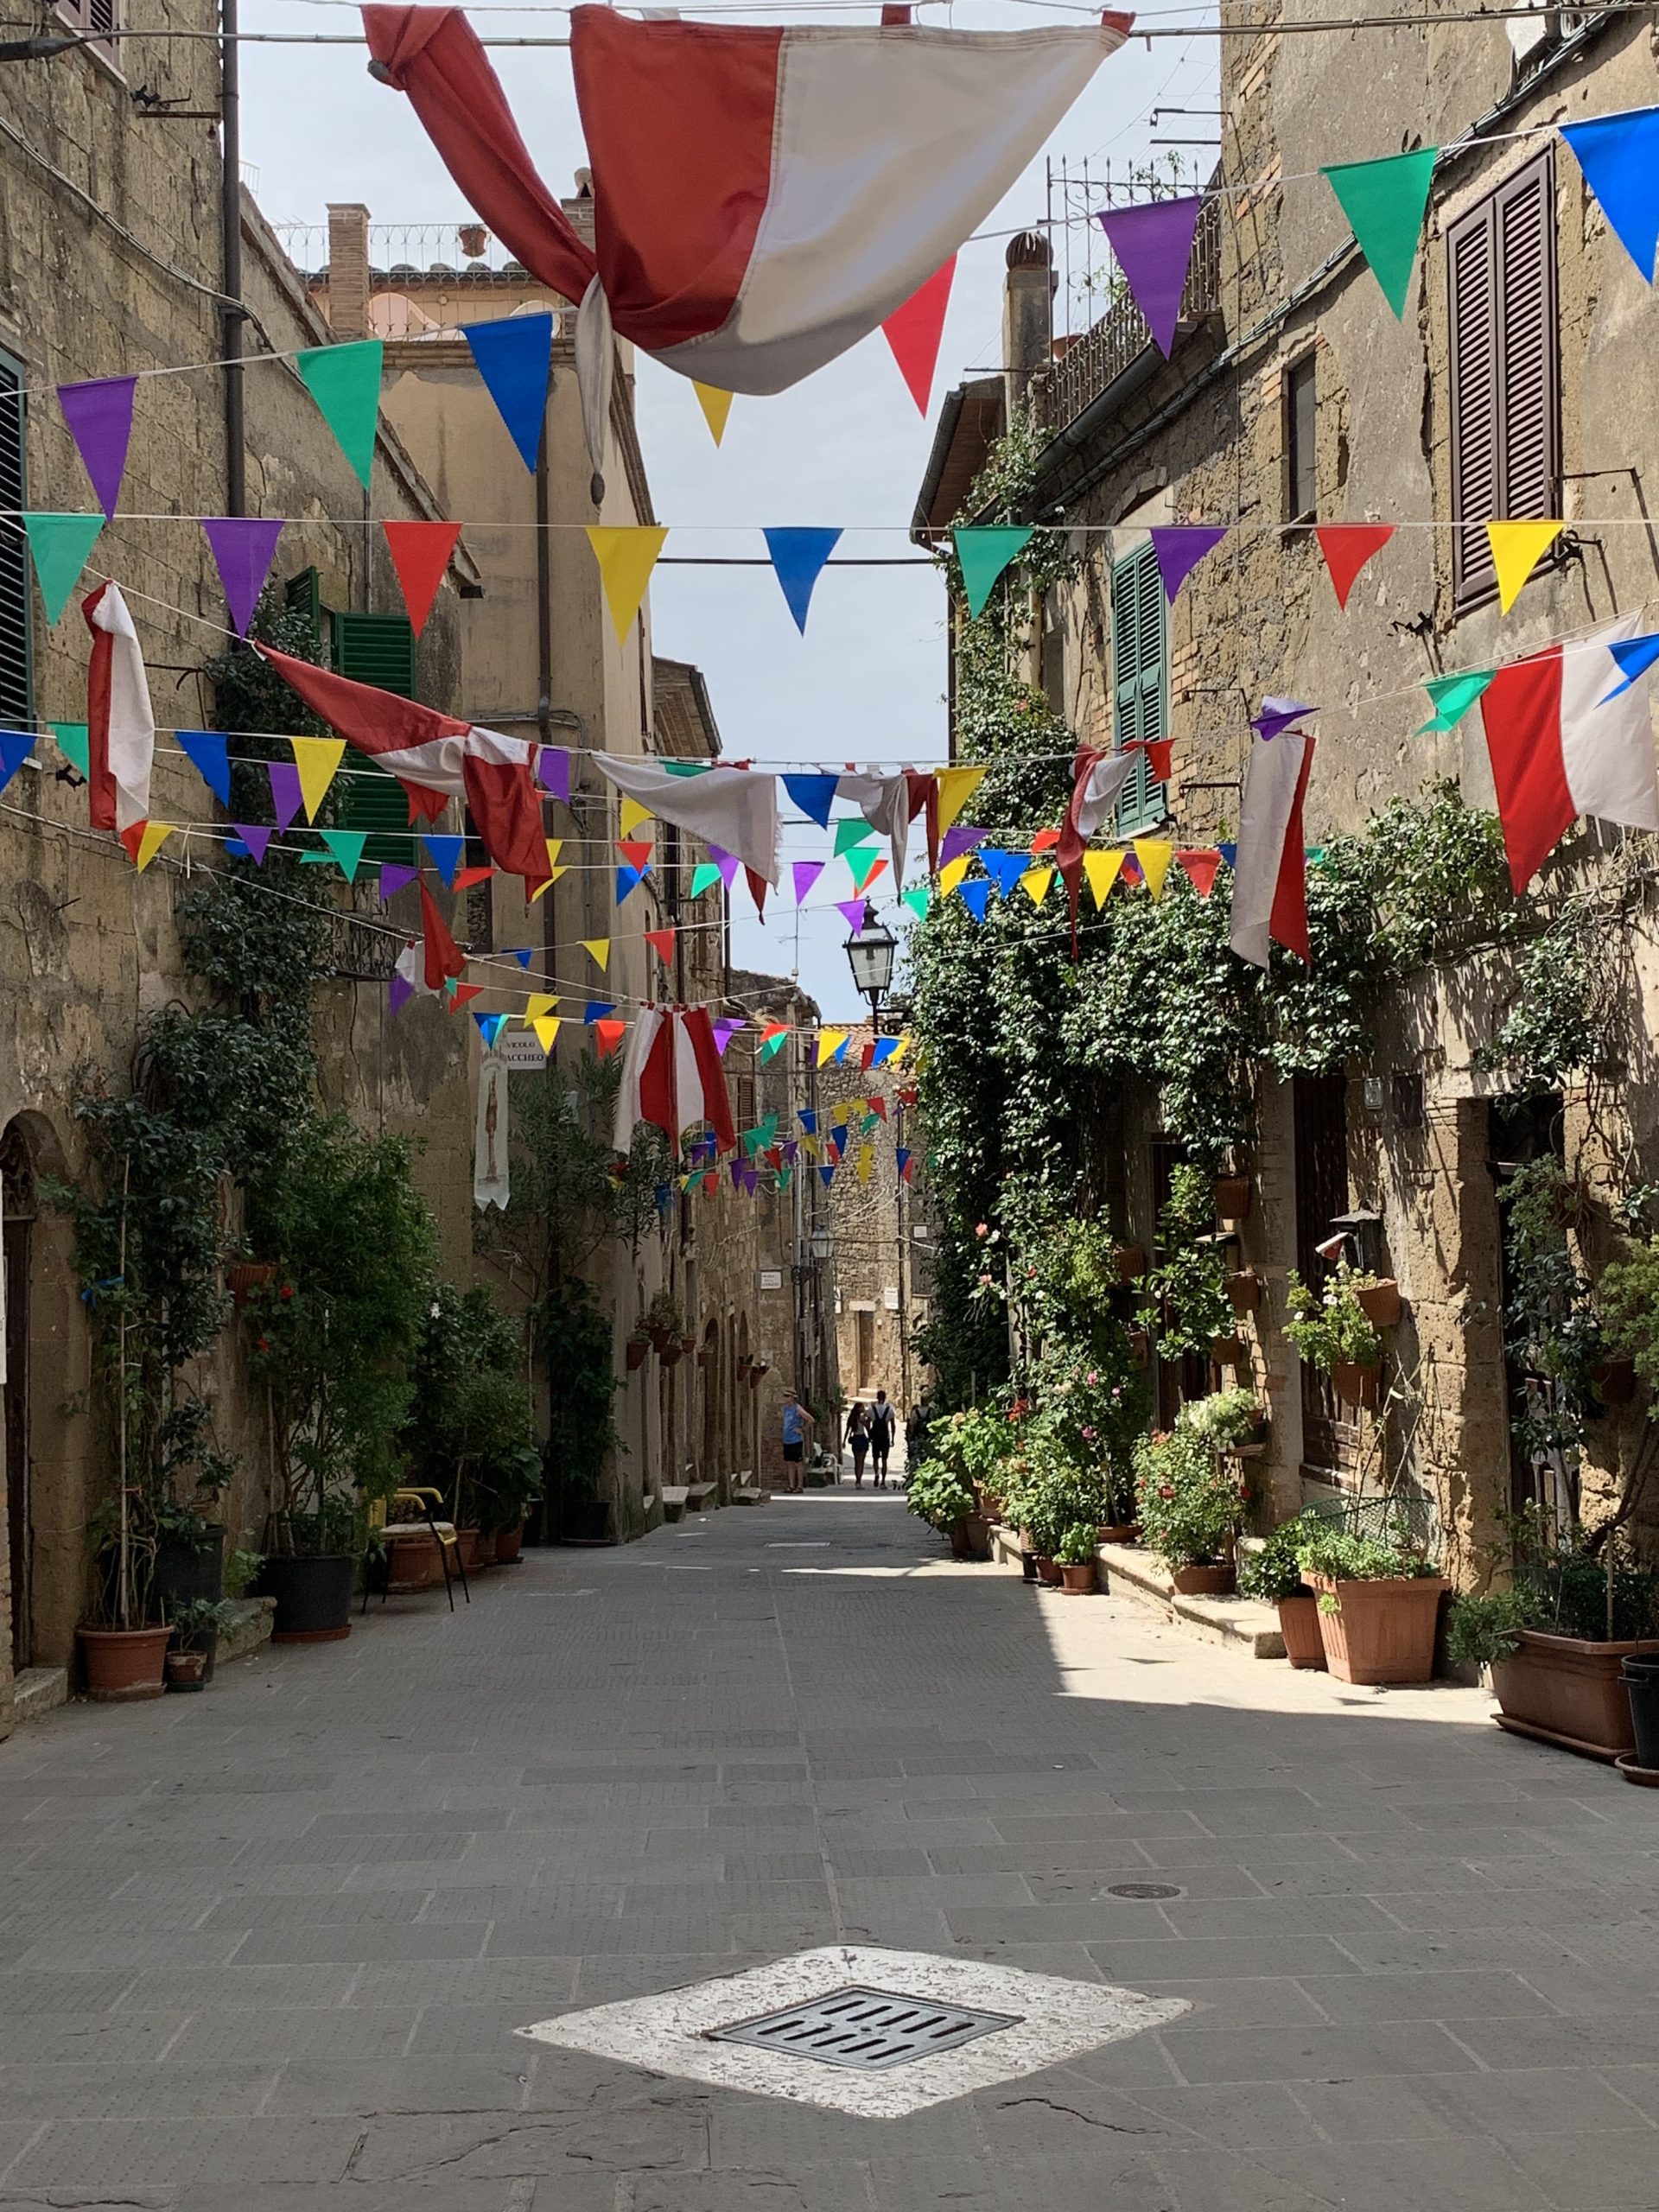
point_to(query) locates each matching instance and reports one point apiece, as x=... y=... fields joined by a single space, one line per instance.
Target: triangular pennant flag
x=902 y=1160
x=716 y=405
x=883 y=1051
x=254 y=838
x=346 y=847
x=420 y=553
x=100 y=415
x=1035 y=882
x=469 y=876
x=514 y=354
x=1155 y=855
x=459 y=992
x=809 y=1120
x=598 y=949
x=553 y=771
x=773 y=1041
x=523 y=954
x=866 y=1162
x=537 y=1006
x=315 y=761
x=725 y=864
x=983 y=554
x=1200 y=864
x=552 y=877
x=626 y=556
x=805 y=873
x=244 y=547
x=661 y=942
x=685 y=767
x=490 y=1027
x=814 y=795
x=286 y=798
x=628 y=880
x=916 y=898
x=394 y=877
x=952 y=873
x=1006 y=869
x=596 y=1010
x=607 y=1035
x=914 y=330
x=797 y=559
x=976 y=898
x=838 y=1056
x=1384 y=203
x=209 y=755
x=854 y=911
x=1635 y=657
x=1278 y=715
x=1451 y=696
x=345 y=381
x=1618 y=154
x=445 y=854
x=851 y=834
x=956 y=787
x=724 y=1033
x=1045 y=842
x=59 y=546
x=960 y=837
x=1347 y=546
x=786 y=1177
x=1102 y=871
x=632 y=816
x=704 y=877
x=826 y=1176
x=1517 y=548
x=15 y=746
x=830 y=1041
x=1157 y=750
x=855 y=861
x=636 y=851
x=546 y=1028
x=1154 y=245
x=1179 y=548
x=75 y=742
x=1228 y=854
x=144 y=840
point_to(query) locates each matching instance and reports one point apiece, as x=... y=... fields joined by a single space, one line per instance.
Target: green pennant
x=345 y=381
x=917 y=898
x=856 y=860
x=770 y=1046
x=786 y=1177
x=1451 y=696
x=704 y=877
x=345 y=849
x=72 y=744
x=850 y=836
x=60 y=545
x=1384 y=203
x=984 y=554
x=685 y=767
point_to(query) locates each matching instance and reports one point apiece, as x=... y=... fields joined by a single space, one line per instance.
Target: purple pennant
x=1153 y=244
x=100 y=415
x=806 y=874
x=737 y=1175
x=394 y=877
x=960 y=837
x=553 y=767
x=727 y=863
x=1179 y=547
x=724 y=1033
x=1278 y=715
x=854 y=910
x=253 y=838
x=243 y=546
x=751 y=1177
x=286 y=797
x=399 y=989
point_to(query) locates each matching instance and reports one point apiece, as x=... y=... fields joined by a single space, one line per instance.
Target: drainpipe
x=543 y=585
x=229 y=104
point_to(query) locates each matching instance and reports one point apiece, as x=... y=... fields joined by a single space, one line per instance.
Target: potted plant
x=1332 y=1332
x=665 y=1322
x=197 y=1624
x=1191 y=1509
x=1273 y=1574
x=937 y=1494
x=1227 y=1420
x=1231 y=1197
x=1243 y=1289
x=1378 y=1600
x=572 y=1338
x=471 y=1425
x=639 y=1344
x=1091 y=1410
x=1078 y=1563
x=1184 y=1306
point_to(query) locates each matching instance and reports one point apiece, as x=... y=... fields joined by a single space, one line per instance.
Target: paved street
x=265 y=1950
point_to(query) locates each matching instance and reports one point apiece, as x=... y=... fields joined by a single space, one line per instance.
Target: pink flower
x=1088 y=1433
x=982 y=1229
x=1164 y=1491
x=1093 y=1375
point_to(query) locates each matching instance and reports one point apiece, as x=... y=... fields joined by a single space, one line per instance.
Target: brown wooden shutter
x=1472 y=275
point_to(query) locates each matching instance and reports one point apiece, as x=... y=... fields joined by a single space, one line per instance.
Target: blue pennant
x=814 y=795
x=976 y=897
x=205 y=750
x=514 y=356
x=446 y=854
x=1006 y=868
x=1619 y=155
x=15 y=746
x=1229 y=854
x=797 y=559
x=627 y=880
x=596 y=1010
x=1635 y=656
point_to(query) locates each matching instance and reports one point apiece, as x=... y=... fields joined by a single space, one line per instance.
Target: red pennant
x=1201 y=864
x=420 y=553
x=607 y=1036
x=914 y=331
x=1347 y=546
x=462 y=991
x=908 y=1098
x=662 y=943
x=710 y=1183
x=443 y=957
x=1157 y=750
x=469 y=876
x=636 y=854
x=132 y=837
x=867 y=1057
x=757 y=891
x=879 y=1108
x=1044 y=841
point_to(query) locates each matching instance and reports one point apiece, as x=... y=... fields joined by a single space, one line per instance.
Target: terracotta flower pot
x=669 y=1354
x=970 y=1537
x=1229 y=1352
x=1381 y=1632
x=187 y=1670
x=1299 y=1624
x=1119 y=1532
x=1218 y=1580
x=637 y=1347
x=1232 y=1194
x=1131 y=1263
x=123 y=1664
x=1355 y=1385
x=658 y=1333
x=1244 y=1290
x=510 y=1545
x=248 y=1276
x=1615 y=1381
x=1567 y=1691
x=468 y=1540
x=413 y=1563
x=1380 y=1303
x=688 y=1346
x=1077 y=1578
x=1048 y=1571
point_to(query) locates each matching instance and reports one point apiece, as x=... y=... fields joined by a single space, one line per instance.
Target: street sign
x=522 y=1052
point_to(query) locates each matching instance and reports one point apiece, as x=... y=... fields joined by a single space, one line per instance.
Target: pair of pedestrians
x=870 y=1430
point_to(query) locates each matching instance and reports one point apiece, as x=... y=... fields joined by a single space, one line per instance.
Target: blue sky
x=847 y=448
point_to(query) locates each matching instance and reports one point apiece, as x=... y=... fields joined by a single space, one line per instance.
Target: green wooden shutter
x=378 y=649
x=1139 y=692
x=304 y=595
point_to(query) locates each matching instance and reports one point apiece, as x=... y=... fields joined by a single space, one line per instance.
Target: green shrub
x=1274 y=1573
x=1224 y=1419
x=1077 y=1546
x=1329 y=1328
x=936 y=1494
x=1481 y=1630
x=1189 y=1507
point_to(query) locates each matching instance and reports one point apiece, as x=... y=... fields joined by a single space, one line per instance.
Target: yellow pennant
x=898 y=1050
x=1101 y=870
x=600 y=949
x=553 y=875
x=952 y=873
x=810 y=1150
x=547 y=1028
x=956 y=787
x=1035 y=882
x=316 y=759
x=632 y=815
x=538 y=1004
x=866 y=1162
x=554 y=847
x=1517 y=548
x=716 y=405
x=154 y=837
x=625 y=557
x=830 y=1042
x=1154 y=856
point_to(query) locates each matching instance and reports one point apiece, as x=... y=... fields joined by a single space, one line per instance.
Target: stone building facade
x=1516 y=384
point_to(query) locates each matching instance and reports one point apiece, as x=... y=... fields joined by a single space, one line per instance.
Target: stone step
x=1127 y=1571
x=38 y=1691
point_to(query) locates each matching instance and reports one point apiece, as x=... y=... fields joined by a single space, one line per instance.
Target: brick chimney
x=1026 y=296
x=348 y=272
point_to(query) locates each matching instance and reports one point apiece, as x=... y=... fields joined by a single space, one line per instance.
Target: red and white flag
x=1270 y=866
x=1561 y=747
x=671 y=1077
x=1098 y=781
x=120 y=723
x=436 y=759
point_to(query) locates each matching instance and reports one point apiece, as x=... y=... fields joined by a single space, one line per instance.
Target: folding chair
x=419 y=1502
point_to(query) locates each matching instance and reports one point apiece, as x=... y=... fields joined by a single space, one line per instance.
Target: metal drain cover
x=1142 y=1890
x=868 y=2030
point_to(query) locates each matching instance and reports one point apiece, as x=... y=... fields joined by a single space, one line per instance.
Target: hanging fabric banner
x=442 y=959
x=716 y=407
x=626 y=556
x=797 y=560
x=491 y=1134
x=208 y=753
x=1347 y=546
x=121 y=722
x=243 y=548
x=345 y=381
x=420 y=553
x=983 y=554
x=100 y=415
x=1179 y=548
x=1619 y=155
x=733 y=810
x=514 y=354
x=59 y=546
x=1154 y=245
x=1269 y=872
x=914 y=332
x=1384 y=202
x=1517 y=548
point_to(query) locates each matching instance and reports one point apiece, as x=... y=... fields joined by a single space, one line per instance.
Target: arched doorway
x=17 y=1218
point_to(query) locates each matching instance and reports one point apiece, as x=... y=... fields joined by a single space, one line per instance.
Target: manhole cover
x=1142 y=1890
x=868 y=2030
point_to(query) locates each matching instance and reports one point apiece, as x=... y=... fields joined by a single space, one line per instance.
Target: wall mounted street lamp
x=820 y=1241
x=870 y=952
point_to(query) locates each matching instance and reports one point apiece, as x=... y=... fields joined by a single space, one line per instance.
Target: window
x=1505 y=387
x=378 y=649
x=96 y=17
x=1138 y=679
x=16 y=700
x=1301 y=476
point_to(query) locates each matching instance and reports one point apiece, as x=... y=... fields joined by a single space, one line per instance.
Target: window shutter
x=1472 y=275
x=1138 y=637
x=304 y=595
x=17 y=699
x=378 y=649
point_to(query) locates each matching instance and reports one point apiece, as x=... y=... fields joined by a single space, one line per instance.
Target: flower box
x=1381 y=1632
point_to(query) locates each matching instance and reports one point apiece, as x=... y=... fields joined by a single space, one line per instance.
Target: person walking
x=798 y=1426
x=917 y=1424
x=883 y=1422
x=858 y=1436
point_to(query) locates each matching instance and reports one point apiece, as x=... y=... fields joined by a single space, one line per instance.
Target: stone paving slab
x=269 y=1950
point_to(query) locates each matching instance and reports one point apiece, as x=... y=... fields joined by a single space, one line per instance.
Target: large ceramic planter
x=314 y=1596
x=123 y=1664
x=1048 y=1571
x=1381 y=1632
x=970 y=1537
x=1567 y=1691
x=1299 y=1624
x=1219 y=1580
x=510 y=1545
x=1077 y=1578
x=413 y=1563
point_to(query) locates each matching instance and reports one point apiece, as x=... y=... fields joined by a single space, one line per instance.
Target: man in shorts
x=798 y=1424
x=883 y=1423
